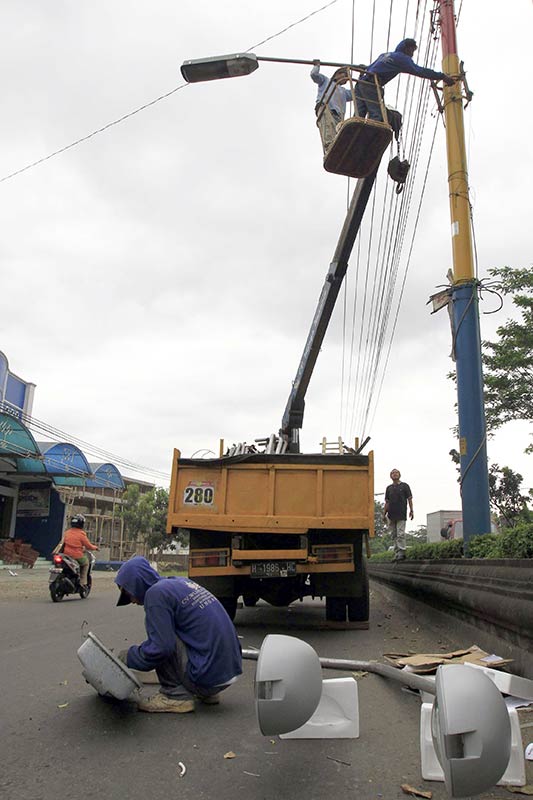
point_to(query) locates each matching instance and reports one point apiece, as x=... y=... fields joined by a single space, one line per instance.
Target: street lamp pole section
x=466 y=333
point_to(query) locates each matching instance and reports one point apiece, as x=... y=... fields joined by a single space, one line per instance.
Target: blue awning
x=65 y=463
x=21 y=457
x=18 y=447
x=106 y=476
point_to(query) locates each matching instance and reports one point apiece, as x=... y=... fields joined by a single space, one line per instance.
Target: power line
x=292 y=25
x=40 y=427
x=420 y=118
x=383 y=268
x=94 y=133
x=147 y=105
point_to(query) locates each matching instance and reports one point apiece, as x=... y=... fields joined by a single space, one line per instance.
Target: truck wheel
x=359 y=607
x=230 y=606
x=336 y=609
x=250 y=600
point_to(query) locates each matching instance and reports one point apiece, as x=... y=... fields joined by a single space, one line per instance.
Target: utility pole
x=466 y=335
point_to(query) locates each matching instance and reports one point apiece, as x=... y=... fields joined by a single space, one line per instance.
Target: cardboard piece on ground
x=428 y=662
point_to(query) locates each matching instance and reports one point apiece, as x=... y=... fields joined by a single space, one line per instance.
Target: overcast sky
x=159 y=280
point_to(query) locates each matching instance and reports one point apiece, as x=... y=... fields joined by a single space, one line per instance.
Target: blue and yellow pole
x=467 y=340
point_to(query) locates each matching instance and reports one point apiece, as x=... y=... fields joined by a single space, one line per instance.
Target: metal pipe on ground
x=417 y=682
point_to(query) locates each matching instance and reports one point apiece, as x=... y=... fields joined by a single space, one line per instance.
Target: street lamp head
x=216 y=67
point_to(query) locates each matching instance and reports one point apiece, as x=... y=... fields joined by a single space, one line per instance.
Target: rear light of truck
x=333 y=553
x=209 y=558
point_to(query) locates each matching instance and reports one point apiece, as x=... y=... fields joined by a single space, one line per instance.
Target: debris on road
x=62 y=705
x=253 y=774
x=338 y=761
x=520 y=789
x=182 y=769
x=230 y=754
x=406 y=789
x=425 y=663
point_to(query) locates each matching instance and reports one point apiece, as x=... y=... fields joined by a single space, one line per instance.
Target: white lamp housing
x=471 y=730
x=288 y=684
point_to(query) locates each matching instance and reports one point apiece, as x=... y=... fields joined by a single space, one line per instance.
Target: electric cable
x=345 y=282
x=389 y=245
x=292 y=25
x=56 y=435
x=147 y=105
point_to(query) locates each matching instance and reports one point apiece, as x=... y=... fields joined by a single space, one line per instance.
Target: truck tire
x=359 y=607
x=250 y=600
x=230 y=606
x=336 y=609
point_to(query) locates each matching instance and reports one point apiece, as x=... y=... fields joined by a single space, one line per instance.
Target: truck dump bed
x=289 y=493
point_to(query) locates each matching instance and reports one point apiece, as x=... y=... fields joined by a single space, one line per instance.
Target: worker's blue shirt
x=388 y=65
x=179 y=607
x=337 y=99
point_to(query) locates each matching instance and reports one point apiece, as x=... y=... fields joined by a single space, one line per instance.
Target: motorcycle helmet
x=78 y=521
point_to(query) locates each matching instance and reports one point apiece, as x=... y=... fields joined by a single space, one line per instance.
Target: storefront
x=43 y=483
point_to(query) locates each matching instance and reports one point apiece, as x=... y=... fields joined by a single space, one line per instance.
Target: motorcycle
x=65 y=577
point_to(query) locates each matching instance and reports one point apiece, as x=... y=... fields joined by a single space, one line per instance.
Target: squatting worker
x=331 y=112
x=191 y=644
x=386 y=67
x=397 y=496
x=76 y=543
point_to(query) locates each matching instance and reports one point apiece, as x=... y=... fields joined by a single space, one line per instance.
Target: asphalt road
x=58 y=738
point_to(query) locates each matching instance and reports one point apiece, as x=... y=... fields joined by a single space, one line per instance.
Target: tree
x=382 y=539
x=137 y=511
x=508 y=362
x=505 y=496
x=418 y=536
x=145 y=517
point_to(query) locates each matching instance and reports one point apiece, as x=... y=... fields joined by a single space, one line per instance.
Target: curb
x=493 y=595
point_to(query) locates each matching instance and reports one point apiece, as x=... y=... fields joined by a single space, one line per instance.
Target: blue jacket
x=178 y=607
x=337 y=99
x=388 y=65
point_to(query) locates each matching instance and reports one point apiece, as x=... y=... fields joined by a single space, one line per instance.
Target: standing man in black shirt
x=397 y=495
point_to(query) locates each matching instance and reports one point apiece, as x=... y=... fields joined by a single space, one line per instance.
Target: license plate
x=273 y=569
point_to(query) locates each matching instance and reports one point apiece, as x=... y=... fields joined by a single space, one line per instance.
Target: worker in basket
x=331 y=99
x=386 y=67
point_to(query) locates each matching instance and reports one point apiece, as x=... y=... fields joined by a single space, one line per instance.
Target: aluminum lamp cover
x=288 y=684
x=217 y=67
x=471 y=730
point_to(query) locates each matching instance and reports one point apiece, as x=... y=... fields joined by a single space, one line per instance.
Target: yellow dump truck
x=281 y=525
x=278 y=527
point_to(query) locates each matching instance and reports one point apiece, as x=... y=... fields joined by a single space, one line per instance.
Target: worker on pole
x=466 y=334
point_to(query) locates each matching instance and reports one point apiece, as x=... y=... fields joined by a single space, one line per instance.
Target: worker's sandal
x=160 y=703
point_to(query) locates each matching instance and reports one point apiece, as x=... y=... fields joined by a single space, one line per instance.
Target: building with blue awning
x=43 y=483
